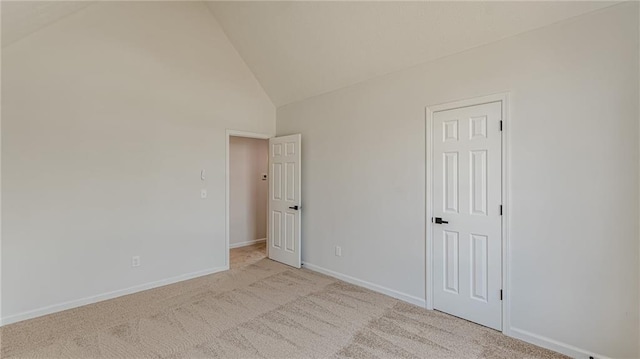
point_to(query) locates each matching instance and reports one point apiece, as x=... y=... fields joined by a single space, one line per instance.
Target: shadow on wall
x=248 y=190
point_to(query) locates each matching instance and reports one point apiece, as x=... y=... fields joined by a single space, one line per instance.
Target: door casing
x=504 y=99
x=228 y=135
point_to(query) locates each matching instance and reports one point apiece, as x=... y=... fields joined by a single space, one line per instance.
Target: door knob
x=294 y=208
x=439 y=220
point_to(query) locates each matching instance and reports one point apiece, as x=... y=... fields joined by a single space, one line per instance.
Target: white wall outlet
x=203 y=193
x=135 y=261
x=338 y=251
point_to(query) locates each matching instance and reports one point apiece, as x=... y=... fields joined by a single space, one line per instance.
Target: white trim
x=105 y=296
x=359 y=282
x=228 y=135
x=506 y=209
x=504 y=99
x=428 y=211
x=554 y=345
x=246 y=243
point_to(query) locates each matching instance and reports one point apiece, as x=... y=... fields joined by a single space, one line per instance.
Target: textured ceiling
x=301 y=49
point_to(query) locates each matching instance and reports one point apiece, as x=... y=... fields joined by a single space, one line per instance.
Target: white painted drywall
x=22 y=18
x=0 y=180
x=108 y=117
x=248 y=192
x=573 y=170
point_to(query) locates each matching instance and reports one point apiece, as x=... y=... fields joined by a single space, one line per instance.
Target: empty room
x=320 y=179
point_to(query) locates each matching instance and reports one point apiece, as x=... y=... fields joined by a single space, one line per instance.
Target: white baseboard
x=524 y=335
x=105 y=296
x=554 y=345
x=247 y=243
x=374 y=287
x=517 y=333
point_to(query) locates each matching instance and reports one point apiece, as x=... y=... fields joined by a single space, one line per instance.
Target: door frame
x=228 y=135
x=506 y=205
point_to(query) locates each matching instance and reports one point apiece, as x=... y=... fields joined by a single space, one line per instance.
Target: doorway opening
x=247 y=198
x=280 y=176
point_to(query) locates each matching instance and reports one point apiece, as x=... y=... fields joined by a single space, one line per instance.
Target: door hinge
x=500 y=294
x=500 y=125
x=501 y=210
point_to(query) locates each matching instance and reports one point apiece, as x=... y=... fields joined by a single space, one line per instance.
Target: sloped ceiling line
x=302 y=49
x=298 y=50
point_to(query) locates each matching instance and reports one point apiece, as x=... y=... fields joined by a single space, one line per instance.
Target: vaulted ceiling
x=22 y=18
x=302 y=49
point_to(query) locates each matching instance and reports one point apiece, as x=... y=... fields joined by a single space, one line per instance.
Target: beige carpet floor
x=259 y=310
x=240 y=257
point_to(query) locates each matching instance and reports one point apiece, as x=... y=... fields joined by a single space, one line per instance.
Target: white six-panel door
x=284 y=199
x=467 y=192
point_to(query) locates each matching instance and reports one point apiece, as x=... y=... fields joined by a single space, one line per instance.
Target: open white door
x=284 y=199
x=467 y=229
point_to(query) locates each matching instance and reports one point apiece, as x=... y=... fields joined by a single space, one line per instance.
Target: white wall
x=573 y=171
x=108 y=117
x=248 y=193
